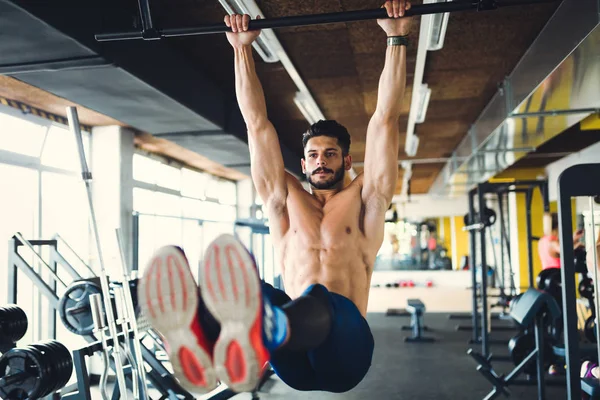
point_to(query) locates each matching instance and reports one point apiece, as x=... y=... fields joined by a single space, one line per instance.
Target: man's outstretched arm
x=266 y=161
x=381 y=153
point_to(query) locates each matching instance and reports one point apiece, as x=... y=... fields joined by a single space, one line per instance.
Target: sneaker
x=168 y=297
x=231 y=289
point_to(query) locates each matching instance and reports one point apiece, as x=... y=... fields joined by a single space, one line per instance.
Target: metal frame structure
x=158 y=371
x=576 y=181
x=480 y=333
x=158 y=374
x=150 y=32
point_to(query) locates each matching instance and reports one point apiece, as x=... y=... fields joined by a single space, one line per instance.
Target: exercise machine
x=532 y=350
x=478 y=223
x=575 y=182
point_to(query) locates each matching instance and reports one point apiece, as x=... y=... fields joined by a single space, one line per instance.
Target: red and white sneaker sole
x=168 y=297
x=231 y=290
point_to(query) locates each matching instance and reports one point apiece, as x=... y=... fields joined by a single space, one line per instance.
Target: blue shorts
x=338 y=364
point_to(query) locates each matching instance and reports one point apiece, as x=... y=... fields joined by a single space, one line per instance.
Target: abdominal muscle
x=341 y=269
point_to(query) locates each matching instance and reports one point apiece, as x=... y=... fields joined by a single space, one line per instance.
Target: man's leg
x=319 y=341
x=290 y=361
x=329 y=331
x=252 y=328
x=168 y=298
x=344 y=358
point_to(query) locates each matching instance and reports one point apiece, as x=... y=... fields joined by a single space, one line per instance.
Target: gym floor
x=439 y=370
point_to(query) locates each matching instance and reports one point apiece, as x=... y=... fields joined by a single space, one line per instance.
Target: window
x=144 y=168
x=19 y=213
x=21 y=136
x=42 y=197
x=60 y=149
x=168 y=177
x=186 y=208
x=193 y=184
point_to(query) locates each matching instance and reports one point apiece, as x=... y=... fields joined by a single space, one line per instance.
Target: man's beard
x=330 y=183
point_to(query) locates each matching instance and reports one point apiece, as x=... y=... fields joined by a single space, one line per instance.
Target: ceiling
x=182 y=89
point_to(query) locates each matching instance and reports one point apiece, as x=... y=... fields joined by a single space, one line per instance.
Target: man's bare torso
x=324 y=244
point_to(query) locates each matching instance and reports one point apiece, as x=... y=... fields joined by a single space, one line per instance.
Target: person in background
x=549 y=245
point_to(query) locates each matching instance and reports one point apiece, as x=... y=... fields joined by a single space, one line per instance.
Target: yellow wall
x=447 y=239
x=462 y=240
x=591 y=123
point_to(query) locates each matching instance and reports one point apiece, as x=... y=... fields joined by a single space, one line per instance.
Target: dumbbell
x=13 y=324
x=34 y=371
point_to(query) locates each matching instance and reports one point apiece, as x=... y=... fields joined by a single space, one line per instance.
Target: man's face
x=323 y=164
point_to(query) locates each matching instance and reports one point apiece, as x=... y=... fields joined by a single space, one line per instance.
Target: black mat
x=439 y=370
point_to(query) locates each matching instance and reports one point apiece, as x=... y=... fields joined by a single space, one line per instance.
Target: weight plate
x=521 y=346
x=74 y=307
x=553 y=285
x=13 y=324
x=22 y=374
x=468 y=221
x=63 y=362
x=541 y=278
x=59 y=361
x=489 y=217
x=586 y=288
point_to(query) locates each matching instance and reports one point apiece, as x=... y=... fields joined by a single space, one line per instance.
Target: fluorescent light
x=308 y=107
x=265 y=46
x=437 y=30
x=424 y=95
x=413 y=145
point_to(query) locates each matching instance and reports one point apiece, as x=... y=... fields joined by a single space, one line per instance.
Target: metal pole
x=472 y=261
x=539 y=344
x=554 y=113
x=595 y=264
x=501 y=208
x=528 y=198
x=104 y=282
x=571 y=335
x=485 y=347
x=318 y=19
x=146 y=17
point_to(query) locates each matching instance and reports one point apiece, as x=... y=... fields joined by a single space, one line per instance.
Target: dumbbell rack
x=159 y=376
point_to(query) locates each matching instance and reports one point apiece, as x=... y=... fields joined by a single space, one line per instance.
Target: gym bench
x=416 y=308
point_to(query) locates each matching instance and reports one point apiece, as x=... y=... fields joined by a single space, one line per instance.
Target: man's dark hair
x=329 y=128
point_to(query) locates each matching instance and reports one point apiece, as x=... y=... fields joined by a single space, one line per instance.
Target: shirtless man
x=326 y=241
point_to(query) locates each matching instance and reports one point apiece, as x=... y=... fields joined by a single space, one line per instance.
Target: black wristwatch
x=397 y=41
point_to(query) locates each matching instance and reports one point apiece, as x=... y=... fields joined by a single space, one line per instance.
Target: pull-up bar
x=149 y=32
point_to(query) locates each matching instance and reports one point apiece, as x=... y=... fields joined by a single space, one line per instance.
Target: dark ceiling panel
x=33 y=45
x=570 y=141
x=340 y=64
